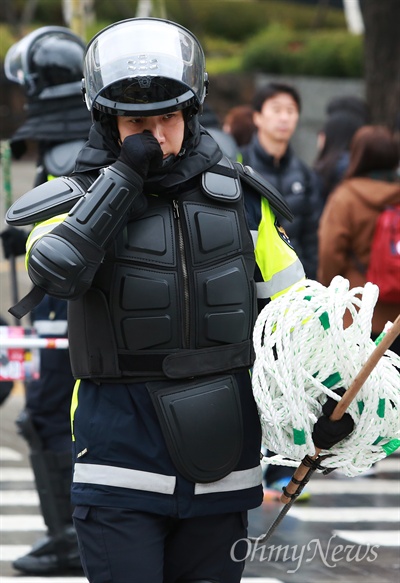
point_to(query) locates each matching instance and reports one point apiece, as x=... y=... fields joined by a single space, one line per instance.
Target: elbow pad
x=64 y=262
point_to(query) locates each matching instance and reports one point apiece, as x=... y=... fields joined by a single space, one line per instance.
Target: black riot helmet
x=144 y=67
x=48 y=63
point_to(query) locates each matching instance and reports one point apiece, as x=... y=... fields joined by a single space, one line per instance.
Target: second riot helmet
x=47 y=62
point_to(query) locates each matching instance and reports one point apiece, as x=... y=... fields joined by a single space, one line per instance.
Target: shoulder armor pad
x=263 y=187
x=45 y=201
x=222 y=182
x=60 y=160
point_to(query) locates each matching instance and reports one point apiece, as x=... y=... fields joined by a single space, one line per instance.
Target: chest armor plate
x=180 y=279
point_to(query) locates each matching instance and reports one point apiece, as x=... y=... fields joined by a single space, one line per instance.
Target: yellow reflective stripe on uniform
x=278 y=262
x=123 y=478
x=74 y=406
x=41 y=229
x=240 y=480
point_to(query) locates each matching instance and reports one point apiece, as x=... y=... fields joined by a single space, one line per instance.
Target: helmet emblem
x=143 y=63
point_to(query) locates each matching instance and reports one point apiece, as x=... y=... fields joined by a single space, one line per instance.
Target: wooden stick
x=347 y=398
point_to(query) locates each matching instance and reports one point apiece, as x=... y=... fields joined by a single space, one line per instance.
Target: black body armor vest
x=174 y=296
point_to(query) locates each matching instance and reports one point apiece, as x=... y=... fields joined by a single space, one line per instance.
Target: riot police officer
x=48 y=64
x=158 y=262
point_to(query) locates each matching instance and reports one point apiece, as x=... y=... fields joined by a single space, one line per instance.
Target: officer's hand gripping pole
x=311 y=463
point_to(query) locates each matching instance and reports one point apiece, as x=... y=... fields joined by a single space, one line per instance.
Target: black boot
x=52 y=555
x=58 y=551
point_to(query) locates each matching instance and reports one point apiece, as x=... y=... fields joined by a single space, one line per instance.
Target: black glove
x=14 y=241
x=142 y=153
x=327 y=433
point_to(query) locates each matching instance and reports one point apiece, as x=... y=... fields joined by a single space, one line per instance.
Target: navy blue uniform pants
x=120 y=545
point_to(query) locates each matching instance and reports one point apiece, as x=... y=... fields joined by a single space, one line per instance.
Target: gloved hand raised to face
x=327 y=433
x=142 y=153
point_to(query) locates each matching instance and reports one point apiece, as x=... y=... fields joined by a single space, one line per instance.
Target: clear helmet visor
x=15 y=62
x=144 y=66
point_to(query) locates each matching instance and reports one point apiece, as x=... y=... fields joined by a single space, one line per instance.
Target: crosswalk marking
x=347 y=514
x=44 y=579
x=26 y=475
x=317 y=488
x=383 y=538
x=390 y=464
x=16 y=475
x=9 y=455
x=353 y=486
x=12 y=552
x=26 y=522
x=84 y=580
x=21 y=522
x=19 y=498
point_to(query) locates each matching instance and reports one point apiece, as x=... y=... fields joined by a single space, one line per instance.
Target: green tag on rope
x=360 y=406
x=299 y=436
x=332 y=380
x=381 y=408
x=324 y=319
x=391 y=446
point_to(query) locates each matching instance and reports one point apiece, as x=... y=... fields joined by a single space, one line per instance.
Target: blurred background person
x=48 y=63
x=350 y=103
x=349 y=218
x=239 y=123
x=345 y=115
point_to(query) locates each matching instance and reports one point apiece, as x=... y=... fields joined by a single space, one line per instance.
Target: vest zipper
x=185 y=278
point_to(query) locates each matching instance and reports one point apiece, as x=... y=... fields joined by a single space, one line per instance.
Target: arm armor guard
x=64 y=261
x=47 y=200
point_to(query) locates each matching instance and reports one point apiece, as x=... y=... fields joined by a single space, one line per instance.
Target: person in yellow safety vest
x=157 y=261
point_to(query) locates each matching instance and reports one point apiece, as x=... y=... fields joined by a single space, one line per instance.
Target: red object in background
x=18 y=364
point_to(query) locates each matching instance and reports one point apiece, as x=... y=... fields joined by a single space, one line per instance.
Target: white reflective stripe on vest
x=280 y=280
x=240 y=480
x=123 y=478
x=150 y=482
x=51 y=327
x=254 y=236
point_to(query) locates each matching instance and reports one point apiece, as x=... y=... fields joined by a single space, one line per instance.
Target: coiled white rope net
x=303 y=353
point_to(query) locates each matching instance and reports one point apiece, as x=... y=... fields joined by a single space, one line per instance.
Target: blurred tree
x=78 y=14
x=382 y=59
x=154 y=8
